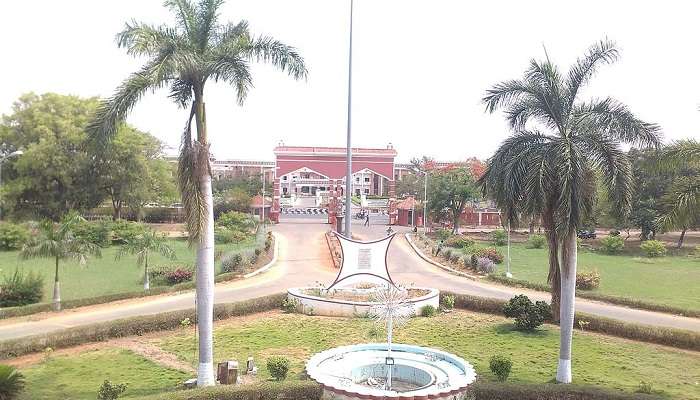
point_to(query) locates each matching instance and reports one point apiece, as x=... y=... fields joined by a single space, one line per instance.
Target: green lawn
x=101 y=276
x=671 y=280
x=598 y=360
x=80 y=376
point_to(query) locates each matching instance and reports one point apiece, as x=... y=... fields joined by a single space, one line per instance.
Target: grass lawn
x=598 y=360
x=80 y=376
x=671 y=280
x=102 y=276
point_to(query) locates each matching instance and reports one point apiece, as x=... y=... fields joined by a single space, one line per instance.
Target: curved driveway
x=303 y=260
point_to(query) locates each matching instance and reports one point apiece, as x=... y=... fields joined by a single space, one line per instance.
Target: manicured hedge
x=310 y=390
x=679 y=338
x=513 y=391
x=624 y=301
x=131 y=326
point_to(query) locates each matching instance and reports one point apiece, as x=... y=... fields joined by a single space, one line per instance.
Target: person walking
x=367 y=219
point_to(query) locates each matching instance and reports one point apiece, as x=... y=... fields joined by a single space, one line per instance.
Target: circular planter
x=337 y=307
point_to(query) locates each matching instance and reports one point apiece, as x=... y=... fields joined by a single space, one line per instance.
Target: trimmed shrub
x=178 y=275
x=237 y=221
x=454 y=257
x=285 y=390
x=653 y=248
x=447 y=253
x=11 y=382
x=428 y=311
x=21 y=289
x=253 y=258
x=443 y=234
x=485 y=265
x=124 y=231
x=499 y=237
x=278 y=367
x=289 y=305
x=110 y=391
x=232 y=262
x=12 y=236
x=448 y=301
x=467 y=262
x=587 y=280
x=612 y=244
x=459 y=242
x=536 y=241
x=491 y=253
x=483 y=390
x=528 y=316
x=224 y=235
x=500 y=366
x=95 y=232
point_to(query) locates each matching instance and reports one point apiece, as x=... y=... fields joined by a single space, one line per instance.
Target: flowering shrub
x=485 y=265
x=490 y=253
x=587 y=280
x=179 y=275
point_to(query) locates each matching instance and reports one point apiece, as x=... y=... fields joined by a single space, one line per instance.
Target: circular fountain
x=361 y=371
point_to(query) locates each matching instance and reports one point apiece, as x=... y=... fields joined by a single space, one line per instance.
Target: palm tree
x=142 y=245
x=11 y=382
x=58 y=241
x=684 y=194
x=548 y=166
x=184 y=58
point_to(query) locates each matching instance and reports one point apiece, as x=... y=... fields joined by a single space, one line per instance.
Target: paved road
x=303 y=260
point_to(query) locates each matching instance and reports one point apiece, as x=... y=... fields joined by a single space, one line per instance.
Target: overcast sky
x=420 y=67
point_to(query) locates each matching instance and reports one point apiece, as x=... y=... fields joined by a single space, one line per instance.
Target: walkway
x=303 y=260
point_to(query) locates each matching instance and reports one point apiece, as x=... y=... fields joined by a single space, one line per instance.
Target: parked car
x=586 y=234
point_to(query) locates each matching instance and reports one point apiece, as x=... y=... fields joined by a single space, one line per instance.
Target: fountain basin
x=418 y=372
x=351 y=302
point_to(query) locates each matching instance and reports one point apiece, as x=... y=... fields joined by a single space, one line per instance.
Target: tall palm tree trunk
x=568 y=296
x=553 y=277
x=680 y=240
x=56 y=290
x=146 y=277
x=205 y=263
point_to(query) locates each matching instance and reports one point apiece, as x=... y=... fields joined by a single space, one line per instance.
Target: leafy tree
x=550 y=169
x=185 y=57
x=54 y=175
x=234 y=199
x=410 y=185
x=142 y=246
x=59 y=242
x=249 y=183
x=451 y=190
x=682 y=199
x=131 y=172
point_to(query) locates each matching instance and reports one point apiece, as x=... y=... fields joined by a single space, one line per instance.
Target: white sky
x=420 y=67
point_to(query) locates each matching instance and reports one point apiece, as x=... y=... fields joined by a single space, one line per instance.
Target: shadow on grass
x=510 y=329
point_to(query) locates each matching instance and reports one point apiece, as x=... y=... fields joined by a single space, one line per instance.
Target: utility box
x=227 y=372
x=339 y=224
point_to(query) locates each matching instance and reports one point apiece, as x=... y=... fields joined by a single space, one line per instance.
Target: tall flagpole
x=348 y=174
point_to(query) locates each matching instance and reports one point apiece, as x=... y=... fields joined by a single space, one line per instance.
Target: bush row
x=134 y=326
x=623 y=301
x=19 y=311
x=482 y=390
x=666 y=336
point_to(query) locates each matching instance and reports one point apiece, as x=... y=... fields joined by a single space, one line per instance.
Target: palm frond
x=207 y=15
x=186 y=16
x=141 y=39
x=193 y=163
x=613 y=119
x=280 y=55
x=505 y=93
x=603 y=52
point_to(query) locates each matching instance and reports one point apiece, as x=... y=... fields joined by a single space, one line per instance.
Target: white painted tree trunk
x=205 y=291
x=56 y=290
x=567 y=306
x=146 y=277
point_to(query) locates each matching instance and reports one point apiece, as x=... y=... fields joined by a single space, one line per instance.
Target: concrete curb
x=435 y=263
x=275 y=253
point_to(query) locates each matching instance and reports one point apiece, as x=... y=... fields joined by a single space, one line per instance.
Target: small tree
x=110 y=391
x=142 y=245
x=500 y=366
x=278 y=367
x=451 y=190
x=59 y=242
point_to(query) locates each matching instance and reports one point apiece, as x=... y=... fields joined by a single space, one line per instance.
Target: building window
x=284 y=178
x=366 y=191
x=357 y=179
x=366 y=179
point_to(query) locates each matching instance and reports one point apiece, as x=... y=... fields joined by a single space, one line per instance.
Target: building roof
x=256 y=202
x=409 y=203
x=356 y=151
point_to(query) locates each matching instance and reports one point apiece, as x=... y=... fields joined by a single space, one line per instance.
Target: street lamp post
x=15 y=153
x=348 y=175
x=508 y=274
